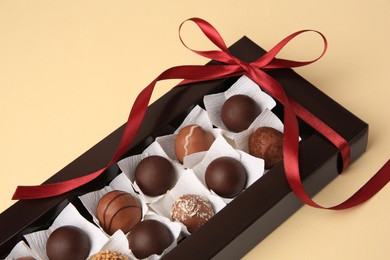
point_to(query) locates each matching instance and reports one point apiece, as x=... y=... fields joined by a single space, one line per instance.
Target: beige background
x=70 y=70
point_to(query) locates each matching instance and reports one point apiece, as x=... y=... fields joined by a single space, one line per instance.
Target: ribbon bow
x=234 y=67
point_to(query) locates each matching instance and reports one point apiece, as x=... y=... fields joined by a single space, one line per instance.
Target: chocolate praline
x=238 y=112
x=267 y=143
x=192 y=139
x=192 y=210
x=68 y=242
x=149 y=237
x=118 y=210
x=155 y=175
x=226 y=176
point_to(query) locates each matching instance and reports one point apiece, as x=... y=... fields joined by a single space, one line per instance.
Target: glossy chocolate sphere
x=238 y=112
x=149 y=237
x=68 y=242
x=155 y=175
x=226 y=176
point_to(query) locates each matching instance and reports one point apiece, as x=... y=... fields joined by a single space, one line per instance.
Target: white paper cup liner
x=129 y=164
x=243 y=86
x=187 y=184
x=220 y=148
x=122 y=183
x=21 y=249
x=197 y=116
x=68 y=216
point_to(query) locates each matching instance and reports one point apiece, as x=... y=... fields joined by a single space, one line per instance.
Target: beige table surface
x=70 y=70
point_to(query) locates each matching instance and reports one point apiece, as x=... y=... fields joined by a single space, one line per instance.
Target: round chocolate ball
x=192 y=139
x=192 y=210
x=226 y=176
x=68 y=242
x=149 y=237
x=238 y=112
x=267 y=143
x=155 y=175
x=118 y=210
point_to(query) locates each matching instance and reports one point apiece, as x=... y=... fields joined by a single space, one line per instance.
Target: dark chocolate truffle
x=267 y=143
x=149 y=237
x=155 y=175
x=68 y=242
x=192 y=139
x=118 y=210
x=192 y=210
x=238 y=112
x=226 y=176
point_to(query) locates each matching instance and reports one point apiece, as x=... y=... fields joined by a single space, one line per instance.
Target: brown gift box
x=252 y=215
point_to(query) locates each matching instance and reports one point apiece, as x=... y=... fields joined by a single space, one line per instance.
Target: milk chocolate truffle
x=149 y=237
x=192 y=210
x=267 y=143
x=238 y=112
x=118 y=210
x=68 y=242
x=226 y=176
x=192 y=139
x=155 y=175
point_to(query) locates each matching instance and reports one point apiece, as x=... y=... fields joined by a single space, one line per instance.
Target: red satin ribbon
x=235 y=67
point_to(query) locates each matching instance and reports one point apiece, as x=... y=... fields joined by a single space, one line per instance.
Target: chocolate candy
x=118 y=210
x=155 y=175
x=226 y=176
x=109 y=255
x=192 y=210
x=26 y=258
x=267 y=143
x=192 y=139
x=68 y=242
x=238 y=112
x=149 y=237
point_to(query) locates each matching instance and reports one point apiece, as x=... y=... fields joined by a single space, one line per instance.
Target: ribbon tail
x=137 y=114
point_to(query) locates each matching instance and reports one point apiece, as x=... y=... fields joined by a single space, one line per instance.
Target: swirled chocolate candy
x=267 y=143
x=68 y=242
x=192 y=210
x=155 y=175
x=118 y=210
x=226 y=176
x=149 y=237
x=238 y=112
x=192 y=139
